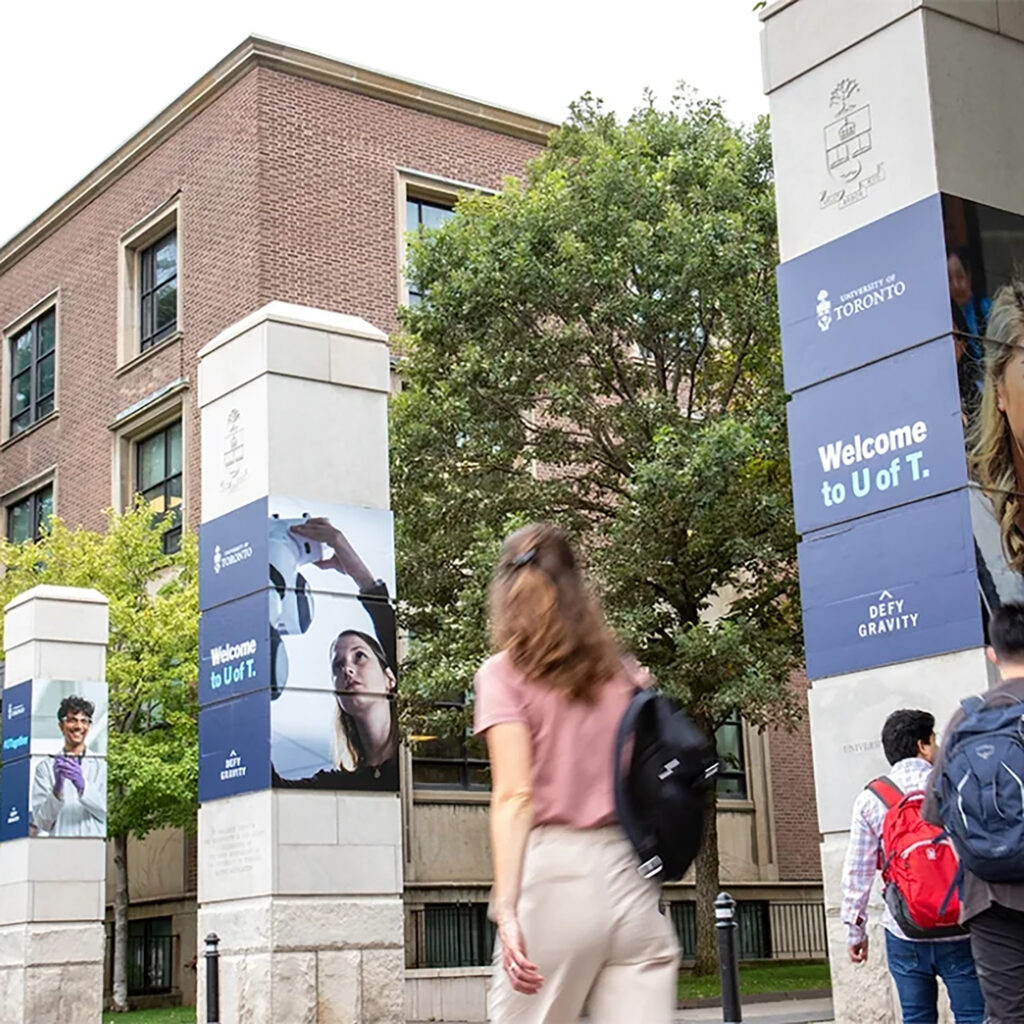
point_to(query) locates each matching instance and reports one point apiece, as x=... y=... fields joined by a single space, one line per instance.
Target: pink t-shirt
x=573 y=741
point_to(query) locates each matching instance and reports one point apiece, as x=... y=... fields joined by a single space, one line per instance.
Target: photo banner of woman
x=304 y=618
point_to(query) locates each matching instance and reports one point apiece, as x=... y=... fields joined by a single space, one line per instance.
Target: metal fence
x=460 y=935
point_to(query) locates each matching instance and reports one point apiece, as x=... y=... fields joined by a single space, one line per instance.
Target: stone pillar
x=52 y=878
x=300 y=857
x=893 y=139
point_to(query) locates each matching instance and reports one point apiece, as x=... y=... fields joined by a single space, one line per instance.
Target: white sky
x=78 y=79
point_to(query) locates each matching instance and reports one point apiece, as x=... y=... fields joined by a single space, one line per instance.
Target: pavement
x=789 y=1011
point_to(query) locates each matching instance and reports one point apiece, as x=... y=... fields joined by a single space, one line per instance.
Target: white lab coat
x=70 y=814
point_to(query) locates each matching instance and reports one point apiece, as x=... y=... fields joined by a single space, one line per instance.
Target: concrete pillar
x=894 y=138
x=300 y=858
x=52 y=845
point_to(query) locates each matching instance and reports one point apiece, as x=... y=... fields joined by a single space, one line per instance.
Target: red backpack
x=919 y=866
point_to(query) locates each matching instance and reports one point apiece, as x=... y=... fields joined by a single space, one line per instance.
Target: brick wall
x=792 y=783
x=288 y=191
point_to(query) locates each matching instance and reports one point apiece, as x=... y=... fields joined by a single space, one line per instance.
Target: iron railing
x=460 y=935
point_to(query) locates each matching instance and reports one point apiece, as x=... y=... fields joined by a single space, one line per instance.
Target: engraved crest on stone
x=235 y=470
x=848 y=146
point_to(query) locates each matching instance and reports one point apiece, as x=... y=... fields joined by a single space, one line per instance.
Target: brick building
x=284 y=175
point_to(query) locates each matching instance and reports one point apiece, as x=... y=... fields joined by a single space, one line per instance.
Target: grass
x=788 y=976
x=175 y=1015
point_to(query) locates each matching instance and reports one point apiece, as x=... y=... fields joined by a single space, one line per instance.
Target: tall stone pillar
x=300 y=858
x=899 y=204
x=53 y=807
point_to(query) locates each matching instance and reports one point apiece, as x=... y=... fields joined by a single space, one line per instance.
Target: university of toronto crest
x=848 y=142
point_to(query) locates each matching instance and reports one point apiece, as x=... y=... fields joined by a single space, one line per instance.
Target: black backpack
x=660 y=794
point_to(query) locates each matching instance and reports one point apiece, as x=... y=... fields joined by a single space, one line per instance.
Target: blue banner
x=235 y=648
x=878 y=437
x=17 y=721
x=869 y=294
x=233 y=555
x=234 y=745
x=891 y=587
x=15 y=779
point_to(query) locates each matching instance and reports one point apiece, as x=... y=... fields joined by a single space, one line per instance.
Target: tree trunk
x=120 y=984
x=707 y=891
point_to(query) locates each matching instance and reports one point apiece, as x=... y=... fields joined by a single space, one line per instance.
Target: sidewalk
x=790 y=1011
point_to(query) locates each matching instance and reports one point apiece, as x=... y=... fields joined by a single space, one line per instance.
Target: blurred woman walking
x=577 y=924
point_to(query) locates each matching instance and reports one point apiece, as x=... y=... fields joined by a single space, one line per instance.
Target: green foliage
x=152 y=657
x=599 y=347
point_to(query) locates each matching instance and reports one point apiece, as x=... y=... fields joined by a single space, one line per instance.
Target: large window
x=732 y=771
x=27 y=516
x=421 y=214
x=158 y=291
x=150 y=956
x=450 y=762
x=33 y=371
x=158 y=478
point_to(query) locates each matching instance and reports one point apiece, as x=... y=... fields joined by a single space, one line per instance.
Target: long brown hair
x=544 y=616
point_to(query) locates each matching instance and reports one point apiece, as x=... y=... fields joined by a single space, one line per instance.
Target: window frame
x=419 y=186
x=739 y=773
x=413 y=198
x=172 y=536
x=145 y=235
x=32 y=495
x=28 y=321
x=150 y=334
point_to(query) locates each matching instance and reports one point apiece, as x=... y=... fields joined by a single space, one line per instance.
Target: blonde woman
x=997 y=455
x=577 y=924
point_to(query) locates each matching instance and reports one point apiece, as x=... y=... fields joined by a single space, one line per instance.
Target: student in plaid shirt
x=908 y=739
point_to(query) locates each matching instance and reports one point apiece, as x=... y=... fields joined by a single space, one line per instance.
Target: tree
x=599 y=346
x=152 y=669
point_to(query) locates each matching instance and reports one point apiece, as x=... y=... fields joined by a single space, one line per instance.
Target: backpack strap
x=971 y=705
x=886 y=790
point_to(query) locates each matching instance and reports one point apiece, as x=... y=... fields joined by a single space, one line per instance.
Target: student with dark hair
x=993 y=912
x=908 y=740
x=69 y=791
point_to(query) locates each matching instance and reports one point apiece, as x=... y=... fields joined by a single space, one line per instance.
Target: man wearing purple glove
x=69 y=790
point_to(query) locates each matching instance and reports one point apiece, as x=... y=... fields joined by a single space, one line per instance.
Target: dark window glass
x=150 y=956
x=158 y=291
x=450 y=762
x=27 y=518
x=419 y=215
x=158 y=478
x=732 y=772
x=33 y=372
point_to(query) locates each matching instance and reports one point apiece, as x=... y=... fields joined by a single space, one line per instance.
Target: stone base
x=51 y=972
x=307 y=960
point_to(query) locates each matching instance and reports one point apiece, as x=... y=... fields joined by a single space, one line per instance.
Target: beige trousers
x=593 y=927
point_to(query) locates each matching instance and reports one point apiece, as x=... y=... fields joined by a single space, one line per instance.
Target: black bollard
x=212 y=979
x=728 y=958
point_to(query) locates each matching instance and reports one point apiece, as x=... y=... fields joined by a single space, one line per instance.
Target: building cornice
x=258 y=52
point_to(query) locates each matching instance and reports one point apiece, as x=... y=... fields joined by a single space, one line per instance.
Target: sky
x=78 y=79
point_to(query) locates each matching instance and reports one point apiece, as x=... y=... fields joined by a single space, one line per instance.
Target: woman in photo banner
x=365 y=741
x=997 y=455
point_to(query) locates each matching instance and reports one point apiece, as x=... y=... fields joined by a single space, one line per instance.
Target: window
x=158 y=291
x=149 y=310
x=450 y=762
x=33 y=371
x=150 y=956
x=420 y=214
x=158 y=477
x=27 y=516
x=732 y=771
x=452 y=935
